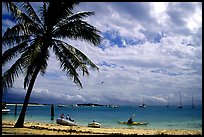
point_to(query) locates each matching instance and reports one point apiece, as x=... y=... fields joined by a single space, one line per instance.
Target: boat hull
x=94 y=124
x=65 y=122
x=134 y=123
x=5 y=110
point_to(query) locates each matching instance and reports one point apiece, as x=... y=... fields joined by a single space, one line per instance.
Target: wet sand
x=36 y=128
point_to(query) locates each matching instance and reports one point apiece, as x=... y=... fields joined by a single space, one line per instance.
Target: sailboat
x=180 y=106
x=142 y=105
x=168 y=103
x=192 y=102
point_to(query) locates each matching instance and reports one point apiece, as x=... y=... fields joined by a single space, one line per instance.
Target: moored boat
x=5 y=110
x=66 y=122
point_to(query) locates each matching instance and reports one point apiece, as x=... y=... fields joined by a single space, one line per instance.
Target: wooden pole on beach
x=15 y=109
x=52 y=112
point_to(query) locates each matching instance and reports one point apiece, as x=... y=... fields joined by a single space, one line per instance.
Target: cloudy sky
x=148 y=50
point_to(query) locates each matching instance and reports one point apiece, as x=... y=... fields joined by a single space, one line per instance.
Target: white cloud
x=167 y=58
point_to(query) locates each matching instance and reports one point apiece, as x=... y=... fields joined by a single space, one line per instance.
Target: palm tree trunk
x=20 y=121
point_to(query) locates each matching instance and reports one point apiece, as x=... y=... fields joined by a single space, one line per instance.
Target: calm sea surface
x=159 y=117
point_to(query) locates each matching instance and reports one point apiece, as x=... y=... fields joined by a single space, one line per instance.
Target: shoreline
x=37 y=128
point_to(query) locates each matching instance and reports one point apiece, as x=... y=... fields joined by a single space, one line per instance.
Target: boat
x=142 y=105
x=134 y=123
x=94 y=124
x=4 y=108
x=61 y=105
x=66 y=122
x=168 y=103
x=192 y=102
x=112 y=106
x=180 y=106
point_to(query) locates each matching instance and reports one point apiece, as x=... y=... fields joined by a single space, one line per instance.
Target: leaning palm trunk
x=20 y=121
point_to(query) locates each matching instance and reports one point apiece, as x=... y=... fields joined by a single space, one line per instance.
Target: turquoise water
x=159 y=117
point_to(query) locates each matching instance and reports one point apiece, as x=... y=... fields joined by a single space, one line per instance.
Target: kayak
x=94 y=124
x=134 y=123
x=66 y=122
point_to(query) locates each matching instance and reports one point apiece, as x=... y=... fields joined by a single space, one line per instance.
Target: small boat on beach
x=66 y=122
x=134 y=123
x=94 y=124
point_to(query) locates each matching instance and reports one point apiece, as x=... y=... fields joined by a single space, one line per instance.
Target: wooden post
x=15 y=109
x=52 y=112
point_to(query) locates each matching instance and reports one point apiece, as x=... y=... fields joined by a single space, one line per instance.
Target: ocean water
x=159 y=117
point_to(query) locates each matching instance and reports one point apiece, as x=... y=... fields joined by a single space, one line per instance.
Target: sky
x=149 y=51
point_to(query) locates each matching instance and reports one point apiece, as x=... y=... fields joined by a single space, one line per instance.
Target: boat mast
x=192 y=102
x=180 y=99
x=168 y=102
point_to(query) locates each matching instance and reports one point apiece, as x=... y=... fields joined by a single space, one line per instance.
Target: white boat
x=61 y=105
x=66 y=122
x=142 y=105
x=5 y=110
x=94 y=124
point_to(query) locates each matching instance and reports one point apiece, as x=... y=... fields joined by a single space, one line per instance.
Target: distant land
x=89 y=104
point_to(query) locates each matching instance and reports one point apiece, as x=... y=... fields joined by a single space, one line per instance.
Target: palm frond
x=7 y=5
x=43 y=14
x=17 y=39
x=12 y=52
x=20 y=17
x=31 y=13
x=58 y=10
x=19 y=33
x=78 y=29
x=76 y=16
x=80 y=15
x=71 y=53
x=13 y=72
x=66 y=64
x=77 y=54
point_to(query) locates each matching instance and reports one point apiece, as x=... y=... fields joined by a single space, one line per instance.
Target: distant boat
x=168 y=103
x=192 y=102
x=180 y=106
x=61 y=105
x=111 y=106
x=142 y=105
x=4 y=108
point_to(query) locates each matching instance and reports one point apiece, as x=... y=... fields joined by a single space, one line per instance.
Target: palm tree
x=34 y=36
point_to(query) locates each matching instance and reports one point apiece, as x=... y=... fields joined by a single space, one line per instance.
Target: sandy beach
x=35 y=128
